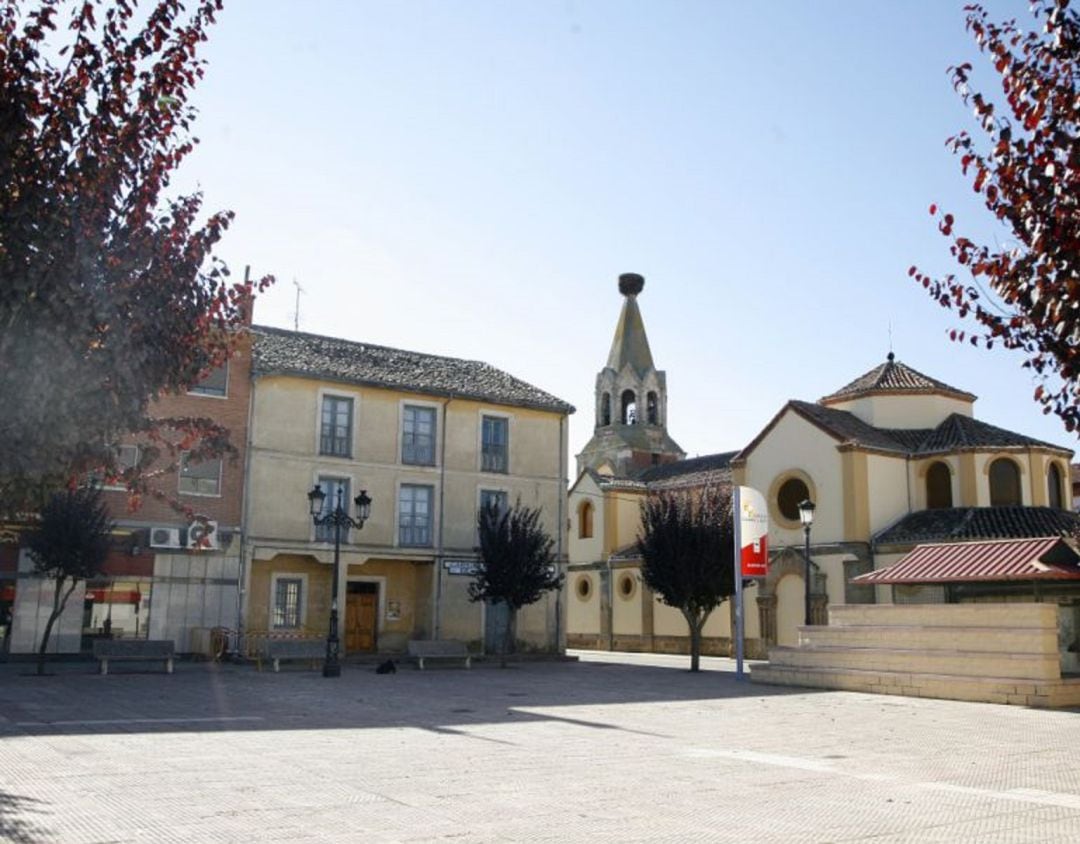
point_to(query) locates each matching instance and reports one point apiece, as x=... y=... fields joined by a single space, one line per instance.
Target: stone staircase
x=995 y=653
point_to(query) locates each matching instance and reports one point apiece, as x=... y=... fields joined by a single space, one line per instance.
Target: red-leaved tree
x=1025 y=294
x=109 y=293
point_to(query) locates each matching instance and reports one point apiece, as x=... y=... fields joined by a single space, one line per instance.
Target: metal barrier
x=216 y=643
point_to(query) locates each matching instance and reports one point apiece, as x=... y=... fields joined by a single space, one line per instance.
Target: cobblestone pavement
x=619 y=748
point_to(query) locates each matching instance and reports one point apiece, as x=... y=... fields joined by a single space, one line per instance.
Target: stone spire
x=631 y=399
x=630 y=345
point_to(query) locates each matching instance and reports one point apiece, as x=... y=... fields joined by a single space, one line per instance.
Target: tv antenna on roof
x=296 y=313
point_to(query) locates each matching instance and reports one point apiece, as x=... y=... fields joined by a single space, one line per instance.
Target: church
x=892 y=460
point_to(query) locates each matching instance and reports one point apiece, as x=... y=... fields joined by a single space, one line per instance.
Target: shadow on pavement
x=207 y=698
x=16 y=820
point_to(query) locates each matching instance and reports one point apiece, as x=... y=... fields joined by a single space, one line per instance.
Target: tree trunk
x=58 y=608
x=695 y=622
x=508 y=636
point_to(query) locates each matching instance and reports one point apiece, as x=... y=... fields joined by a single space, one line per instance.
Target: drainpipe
x=243 y=570
x=561 y=560
x=437 y=610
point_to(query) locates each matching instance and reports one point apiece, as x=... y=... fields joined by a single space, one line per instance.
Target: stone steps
x=931 y=638
x=915 y=684
x=957 y=663
x=997 y=653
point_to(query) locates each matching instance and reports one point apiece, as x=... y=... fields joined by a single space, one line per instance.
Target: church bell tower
x=630 y=434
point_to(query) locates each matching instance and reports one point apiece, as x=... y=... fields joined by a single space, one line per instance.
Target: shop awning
x=1045 y=558
x=113 y=596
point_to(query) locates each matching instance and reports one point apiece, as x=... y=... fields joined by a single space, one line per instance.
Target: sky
x=470 y=177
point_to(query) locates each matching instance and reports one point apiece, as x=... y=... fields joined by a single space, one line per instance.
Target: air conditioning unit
x=203 y=536
x=164 y=537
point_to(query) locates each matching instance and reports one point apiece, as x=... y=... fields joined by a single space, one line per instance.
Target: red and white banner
x=753 y=533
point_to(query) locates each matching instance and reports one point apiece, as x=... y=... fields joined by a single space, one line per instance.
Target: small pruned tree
x=517 y=565
x=688 y=556
x=69 y=546
x=1025 y=294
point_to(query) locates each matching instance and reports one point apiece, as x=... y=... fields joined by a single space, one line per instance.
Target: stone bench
x=276 y=650
x=438 y=649
x=134 y=649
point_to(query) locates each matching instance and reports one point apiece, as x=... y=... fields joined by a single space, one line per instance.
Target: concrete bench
x=276 y=650
x=437 y=649
x=134 y=649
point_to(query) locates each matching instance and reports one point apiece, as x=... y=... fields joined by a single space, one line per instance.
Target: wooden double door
x=361 y=617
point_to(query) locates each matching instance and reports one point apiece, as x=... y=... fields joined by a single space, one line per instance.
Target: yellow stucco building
x=430 y=439
x=891 y=460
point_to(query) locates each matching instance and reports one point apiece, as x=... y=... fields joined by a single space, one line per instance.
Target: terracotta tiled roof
x=893 y=377
x=979 y=523
x=1044 y=558
x=277 y=351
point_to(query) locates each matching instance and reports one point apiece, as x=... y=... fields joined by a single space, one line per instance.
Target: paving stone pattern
x=614 y=748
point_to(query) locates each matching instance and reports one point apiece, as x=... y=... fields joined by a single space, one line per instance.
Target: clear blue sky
x=469 y=179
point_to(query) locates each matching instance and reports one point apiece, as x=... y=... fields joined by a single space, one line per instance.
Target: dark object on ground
x=387 y=667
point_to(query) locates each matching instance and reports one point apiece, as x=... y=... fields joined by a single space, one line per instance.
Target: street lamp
x=806 y=516
x=338 y=517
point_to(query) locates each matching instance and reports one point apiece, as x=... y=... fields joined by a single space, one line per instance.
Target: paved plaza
x=610 y=748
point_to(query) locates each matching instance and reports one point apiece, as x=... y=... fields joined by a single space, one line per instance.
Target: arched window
x=1053 y=487
x=605 y=409
x=652 y=409
x=1004 y=483
x=938 y=486
x=629 y=407
x=585 y=519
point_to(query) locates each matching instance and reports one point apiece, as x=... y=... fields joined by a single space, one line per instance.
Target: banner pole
x=736 y=515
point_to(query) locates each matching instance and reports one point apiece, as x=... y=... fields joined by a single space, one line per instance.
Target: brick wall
x=230 y=411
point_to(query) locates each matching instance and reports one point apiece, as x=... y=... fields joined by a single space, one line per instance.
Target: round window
x=627 y=586
x=792 y=493
x=584 y=587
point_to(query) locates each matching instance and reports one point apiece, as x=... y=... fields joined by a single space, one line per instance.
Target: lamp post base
x=331 y=669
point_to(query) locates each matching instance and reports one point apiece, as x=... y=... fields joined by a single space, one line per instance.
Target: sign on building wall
x=753 y=533
x=469 y=568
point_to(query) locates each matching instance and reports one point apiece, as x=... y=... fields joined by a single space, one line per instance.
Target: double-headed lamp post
x=338 y=517
x=806 y=516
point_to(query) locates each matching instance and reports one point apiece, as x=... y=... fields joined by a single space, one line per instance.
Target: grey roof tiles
x=955 y=432
x=281 y=352
x=971 y=523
